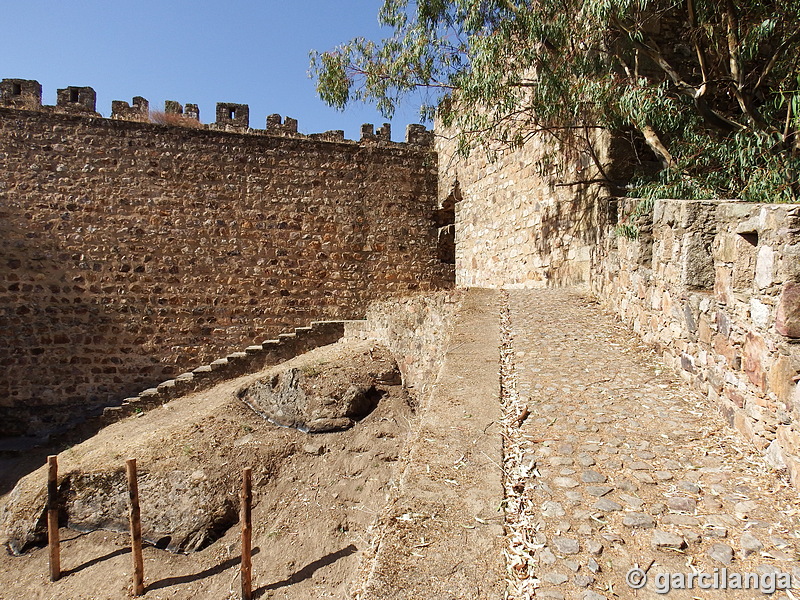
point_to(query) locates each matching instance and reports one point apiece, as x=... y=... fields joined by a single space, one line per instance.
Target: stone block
x=139 y=110
x=723 y=284
x=704 y=331
x=233 y=115
x=759 y=313
x=78 y=99
x=25 y=94
x=780 y=379
x=725 y=247
x=765 y=267
x=789 y=263
x=744 y=263
x=418 y=135
x=787 y=317
x=755 y=357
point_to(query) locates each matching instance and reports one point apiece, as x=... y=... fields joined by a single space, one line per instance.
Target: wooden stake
x=136 y=528
x=52 y=518
x=245 y=516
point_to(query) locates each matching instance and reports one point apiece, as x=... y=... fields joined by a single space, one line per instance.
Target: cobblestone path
x=619 y=464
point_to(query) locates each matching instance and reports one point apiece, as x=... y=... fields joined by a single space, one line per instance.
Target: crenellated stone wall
x=713 y=286
x=130 y=251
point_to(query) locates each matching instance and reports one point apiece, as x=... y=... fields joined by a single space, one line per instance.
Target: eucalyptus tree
x=706 y=91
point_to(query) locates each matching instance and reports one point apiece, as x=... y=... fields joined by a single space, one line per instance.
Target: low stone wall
x=715 y=287
x=416 y=329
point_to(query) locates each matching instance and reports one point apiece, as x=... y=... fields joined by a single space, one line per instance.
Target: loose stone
x=565 y=449
x=598 y=490
x=583 y=580
x=688 y=486
x=594 y=547
x=572 y=565
x=593 y=477
x=644 y=477
x=552 y=509
x=749 y=544
x=721 y=553
x=632 y=501
x=565 y=482
x=717 y=532
x=555 y=578
x=639 y=465
x=606 y=505
x=565 y=546
x=692 y=537
x=546 y=557
x=664 y=539
x=626 y=485
x=638 y=521
x=682 y=504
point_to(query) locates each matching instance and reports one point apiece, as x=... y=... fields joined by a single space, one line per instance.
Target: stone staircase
x=252 y=359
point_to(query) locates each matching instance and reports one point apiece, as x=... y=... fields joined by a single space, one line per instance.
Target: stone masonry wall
x=416 y=329
x=520 y=222
x=130 y=252
x=715 y=287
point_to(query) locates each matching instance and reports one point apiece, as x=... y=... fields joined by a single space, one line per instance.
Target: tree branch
x=657 y=146
x=703 y=109
x=774 y=58
x=701 y=55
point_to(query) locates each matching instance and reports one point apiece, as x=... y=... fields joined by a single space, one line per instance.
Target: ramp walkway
x=619 y=465
x=600 y=460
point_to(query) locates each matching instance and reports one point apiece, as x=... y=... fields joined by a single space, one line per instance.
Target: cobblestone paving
x=619 y=464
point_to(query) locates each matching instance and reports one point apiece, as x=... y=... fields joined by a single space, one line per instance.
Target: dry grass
x=173 y=119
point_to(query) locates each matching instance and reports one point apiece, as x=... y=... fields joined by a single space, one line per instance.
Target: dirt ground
x=315 y=499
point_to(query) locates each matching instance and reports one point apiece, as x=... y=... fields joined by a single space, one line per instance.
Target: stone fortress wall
x=132 y=251
x=713 y=286
x=520 y=224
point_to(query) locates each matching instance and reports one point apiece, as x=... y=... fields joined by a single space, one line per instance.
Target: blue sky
x=203 y=52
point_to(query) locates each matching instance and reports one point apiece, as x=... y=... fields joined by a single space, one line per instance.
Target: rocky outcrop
x=185 y=510
x=321 y=396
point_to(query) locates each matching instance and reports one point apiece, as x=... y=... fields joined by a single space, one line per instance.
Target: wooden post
x=52 y=518
x=245 y=516
x=136 y=528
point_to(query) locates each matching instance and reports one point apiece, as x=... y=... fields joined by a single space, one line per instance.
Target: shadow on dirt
x=307 y=571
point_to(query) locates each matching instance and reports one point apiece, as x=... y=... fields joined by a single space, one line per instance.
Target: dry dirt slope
x=316 y=497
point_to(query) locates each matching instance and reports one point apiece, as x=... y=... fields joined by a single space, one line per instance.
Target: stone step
x=218 y=364
x=252 y=358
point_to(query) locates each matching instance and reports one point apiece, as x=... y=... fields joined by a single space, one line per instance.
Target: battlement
x=26 y=94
